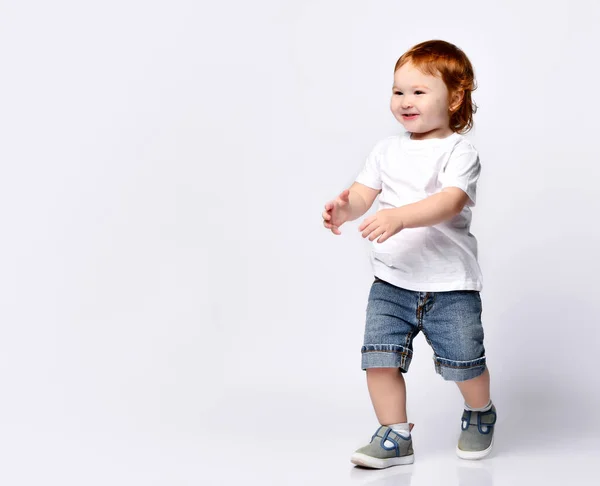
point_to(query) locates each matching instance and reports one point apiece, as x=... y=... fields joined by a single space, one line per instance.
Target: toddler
x=424 y=257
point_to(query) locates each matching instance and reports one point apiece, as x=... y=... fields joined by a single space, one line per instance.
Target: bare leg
x=476 y=391
x=388 y=394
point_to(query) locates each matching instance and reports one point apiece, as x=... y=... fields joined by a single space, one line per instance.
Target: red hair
x=442 y=59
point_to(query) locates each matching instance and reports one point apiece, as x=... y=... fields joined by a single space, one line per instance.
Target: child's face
x=426 y=97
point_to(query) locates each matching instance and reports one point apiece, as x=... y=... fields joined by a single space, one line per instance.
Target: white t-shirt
x=435 y=258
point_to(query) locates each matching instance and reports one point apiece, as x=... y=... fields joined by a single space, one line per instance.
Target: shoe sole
x=474 y=455
x=373 y=462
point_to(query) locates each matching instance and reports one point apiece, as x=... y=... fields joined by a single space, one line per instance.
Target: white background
x=173 y=311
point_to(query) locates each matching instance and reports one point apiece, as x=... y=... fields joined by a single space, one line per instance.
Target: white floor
x=325 y=460
x=293 y=439
x=305 y=462
x=281 y=437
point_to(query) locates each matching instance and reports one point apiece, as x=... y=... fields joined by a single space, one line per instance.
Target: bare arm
x=361 y=199
x=434 y=209
x=430 y=211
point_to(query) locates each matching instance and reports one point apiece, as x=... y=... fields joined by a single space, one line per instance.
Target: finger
x=329 y=224
x=366 y=223
x=377 y=233
x=382 y=238
x=336 y=230
x=326 y=216
x=345 y=195
x=370 y=228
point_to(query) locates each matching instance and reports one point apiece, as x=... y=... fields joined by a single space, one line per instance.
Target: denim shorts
x=450 y=321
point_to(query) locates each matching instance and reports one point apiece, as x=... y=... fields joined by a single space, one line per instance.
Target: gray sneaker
x=378 y=455
x=477 y=434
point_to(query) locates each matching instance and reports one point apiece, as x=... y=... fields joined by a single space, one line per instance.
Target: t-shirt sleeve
x=370 y=175
x=462 y=171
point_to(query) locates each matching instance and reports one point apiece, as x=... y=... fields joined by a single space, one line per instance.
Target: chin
x=411 y=128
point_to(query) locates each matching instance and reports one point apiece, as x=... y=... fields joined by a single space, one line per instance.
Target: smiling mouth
x=413 y=115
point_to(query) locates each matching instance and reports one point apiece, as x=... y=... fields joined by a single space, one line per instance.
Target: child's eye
x=397 y=92
x=419 y=92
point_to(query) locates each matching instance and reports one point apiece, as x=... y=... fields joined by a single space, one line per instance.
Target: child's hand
x=336 y=212
x=383 y=224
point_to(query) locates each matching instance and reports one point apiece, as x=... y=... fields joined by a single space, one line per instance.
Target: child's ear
x=456 y=100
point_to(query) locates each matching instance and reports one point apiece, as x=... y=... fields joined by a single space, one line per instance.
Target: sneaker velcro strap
x=394 y=436
x=487 y=418
x=387 y=433
x=483 y=420
x=486 y=421
x=466 y=420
